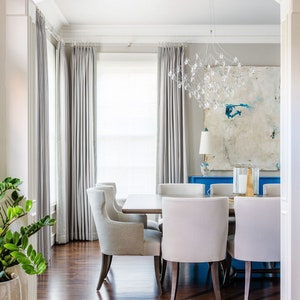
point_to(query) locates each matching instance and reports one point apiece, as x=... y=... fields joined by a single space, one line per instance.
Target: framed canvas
x=246 y=131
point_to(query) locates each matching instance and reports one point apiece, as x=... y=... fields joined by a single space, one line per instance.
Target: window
x=126 y=121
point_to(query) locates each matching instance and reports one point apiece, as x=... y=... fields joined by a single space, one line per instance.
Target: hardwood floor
x=74 y=270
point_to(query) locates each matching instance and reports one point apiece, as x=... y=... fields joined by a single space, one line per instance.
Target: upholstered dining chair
x=195 y=230
x=271 y=189
x=117 y=215
x=122 y=238
x=182 y=189
x=221 y=189
x=257 y=233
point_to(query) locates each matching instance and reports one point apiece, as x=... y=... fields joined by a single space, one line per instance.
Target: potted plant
x=15 y=248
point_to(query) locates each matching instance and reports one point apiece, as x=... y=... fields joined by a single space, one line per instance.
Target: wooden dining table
x=152 y=203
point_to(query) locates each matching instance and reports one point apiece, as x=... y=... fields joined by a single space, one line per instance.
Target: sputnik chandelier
x=213 y=76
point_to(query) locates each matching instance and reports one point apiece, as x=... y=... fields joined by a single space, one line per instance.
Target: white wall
x=249 y=54
x=15 y=103
x=17 y=97
x=290 y=148
x=2 y=90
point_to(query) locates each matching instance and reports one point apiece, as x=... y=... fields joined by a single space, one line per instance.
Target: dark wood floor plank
x=75 y=267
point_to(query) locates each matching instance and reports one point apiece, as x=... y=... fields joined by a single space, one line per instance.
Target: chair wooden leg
x=215 y=279
x=157 y=268
x=247 y=279
x=109 y=260
x=105 y=265
x=228 y=260
x=163 y=271
x=175 y=272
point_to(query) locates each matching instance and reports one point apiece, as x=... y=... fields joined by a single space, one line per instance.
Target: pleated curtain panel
x=83 y=140
x=43 y=169
x=75 y=142
x=172 y=138
x=63 y=147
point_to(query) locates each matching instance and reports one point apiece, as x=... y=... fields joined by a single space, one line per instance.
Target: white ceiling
x=172 y=14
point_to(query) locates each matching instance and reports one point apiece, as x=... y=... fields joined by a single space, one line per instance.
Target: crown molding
x=171 y=33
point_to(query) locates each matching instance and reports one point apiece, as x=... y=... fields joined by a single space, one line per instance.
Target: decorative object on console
x=213 y=76
x=205 y=148
x=249 y=188
x=246 y=181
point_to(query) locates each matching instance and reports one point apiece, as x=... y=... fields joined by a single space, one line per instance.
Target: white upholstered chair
x=122 y=238
x=195 y=230
x=221 y=189
x=181 y=189
x=117 y=215
x=257 y=233
x=271 y=189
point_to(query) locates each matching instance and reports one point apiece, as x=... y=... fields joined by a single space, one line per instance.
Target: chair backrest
x=181 y=189
x=271 y=189
x=110 y=198
x=221 y=189
x=257 y=228
x=113 y=184
x=195 y=229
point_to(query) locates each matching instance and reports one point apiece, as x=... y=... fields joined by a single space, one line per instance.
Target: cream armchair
x=117 y=215
x=257 y=233
x=122 y=238
x=195 y=230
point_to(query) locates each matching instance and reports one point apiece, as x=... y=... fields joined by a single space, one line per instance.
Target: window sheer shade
x=126 y=121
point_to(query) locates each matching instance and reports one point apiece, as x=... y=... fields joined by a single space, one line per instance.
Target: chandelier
x=213 y=76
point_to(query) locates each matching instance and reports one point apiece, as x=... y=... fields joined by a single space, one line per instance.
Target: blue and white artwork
x=247 y=129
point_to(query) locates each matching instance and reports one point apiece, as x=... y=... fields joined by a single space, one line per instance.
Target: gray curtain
x=43 y=170
x=63 y=141
x=171 y=144
x=83 y=140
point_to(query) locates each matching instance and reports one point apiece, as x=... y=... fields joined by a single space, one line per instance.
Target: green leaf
x=8 y=236
x=11 y=247
x=10 y=213
x=28 y=205
x=29 y=250
x=18 y=210
x=33 y=254
x=38 y=258
x=24 y=241
x=29 y=269
x=41 y=268
x=16 y=237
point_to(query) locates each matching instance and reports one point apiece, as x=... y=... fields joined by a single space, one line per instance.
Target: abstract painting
x=246 y=131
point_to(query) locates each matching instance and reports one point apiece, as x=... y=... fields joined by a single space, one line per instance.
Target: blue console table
x=208 y=180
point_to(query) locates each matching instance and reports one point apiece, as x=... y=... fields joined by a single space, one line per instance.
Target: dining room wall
x=249 y=55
